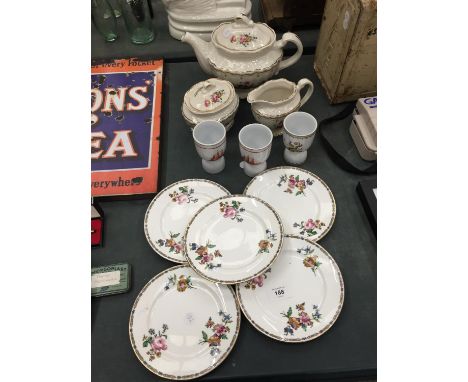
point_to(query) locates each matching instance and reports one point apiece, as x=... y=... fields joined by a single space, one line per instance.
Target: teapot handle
x=300 y=85
x=289 y=37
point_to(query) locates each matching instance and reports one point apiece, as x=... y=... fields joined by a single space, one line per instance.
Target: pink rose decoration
x=258 y=280
x=229 y=212
x=182 y=198
x=220 y=329
x=304 y=318
x=207 y=258
x=159 y=343
x=309 y=224
x=178 y=247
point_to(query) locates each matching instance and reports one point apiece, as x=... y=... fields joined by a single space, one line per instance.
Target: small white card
x=278 y=293
x=100 y=280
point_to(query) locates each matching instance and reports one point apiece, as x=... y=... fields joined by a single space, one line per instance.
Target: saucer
x=233 y=239
x=170 y=211
x=182 y=326
x=303 y=201
x=299 y=298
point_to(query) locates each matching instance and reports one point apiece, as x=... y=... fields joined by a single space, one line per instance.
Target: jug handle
x=300 y=85
x=289 y=37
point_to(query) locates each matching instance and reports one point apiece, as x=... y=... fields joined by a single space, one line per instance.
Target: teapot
x=275 y=99
x=243 y=52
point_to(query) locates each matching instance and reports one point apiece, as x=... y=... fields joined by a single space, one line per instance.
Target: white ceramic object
x=362 y=135
x=367 y=108
x=298 y=134
x=210 y=143
x=171 y=210
x=233 y=239
x=304 y=202
x=182 y=326
x=244 y=53
x=275 y=99
x=200 y=17
x=299 y=298
x=210 y=100
x=255 y=147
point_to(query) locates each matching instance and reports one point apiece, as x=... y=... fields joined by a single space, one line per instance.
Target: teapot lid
x=209 y=96
x=243 y=35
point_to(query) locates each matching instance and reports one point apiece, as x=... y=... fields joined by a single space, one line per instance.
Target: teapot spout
x=201 y=48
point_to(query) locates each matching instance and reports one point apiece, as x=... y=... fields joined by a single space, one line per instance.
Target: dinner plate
x=182 y=326
x=303 y=201
x=233 y=239
x=170 y=211
x=299 y=298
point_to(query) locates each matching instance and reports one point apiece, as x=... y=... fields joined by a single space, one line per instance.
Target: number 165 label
x=279 y=292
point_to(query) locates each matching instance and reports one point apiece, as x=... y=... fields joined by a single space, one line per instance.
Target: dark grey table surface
x=169 y=48
x=347 y=350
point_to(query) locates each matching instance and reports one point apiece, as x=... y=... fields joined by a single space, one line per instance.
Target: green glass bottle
x=136 y=14
x=104 y=19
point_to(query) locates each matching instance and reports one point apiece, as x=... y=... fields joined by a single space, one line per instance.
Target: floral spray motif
x=183 y=195
x=266 y=244
x=257 y=281
x=294 y=184
x=243 y=39
x=173 y=245
x=215 y=97
x=309 y=227
x=301 y=320
x=310 y=261
x=183 y=282
x=156 y=342
x=232 y=210
x=205 y=257
x=219 y=332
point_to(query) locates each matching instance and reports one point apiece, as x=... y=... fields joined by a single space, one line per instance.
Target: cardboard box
x=346 y=54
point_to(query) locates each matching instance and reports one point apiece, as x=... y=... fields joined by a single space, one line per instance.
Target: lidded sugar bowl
x=210 y=100
x=243 y=52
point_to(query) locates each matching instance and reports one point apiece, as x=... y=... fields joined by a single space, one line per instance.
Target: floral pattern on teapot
x=243 y=39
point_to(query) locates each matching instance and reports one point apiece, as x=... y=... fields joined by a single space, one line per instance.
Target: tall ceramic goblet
x=298 y=134
x=210 y=143
x=255 y=147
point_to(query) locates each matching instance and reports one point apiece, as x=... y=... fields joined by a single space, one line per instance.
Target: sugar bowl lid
x=209 y=96
x=243 y=35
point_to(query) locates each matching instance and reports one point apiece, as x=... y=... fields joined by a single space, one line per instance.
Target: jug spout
x=201 y=48
x=252 y=97
x=257 y=96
